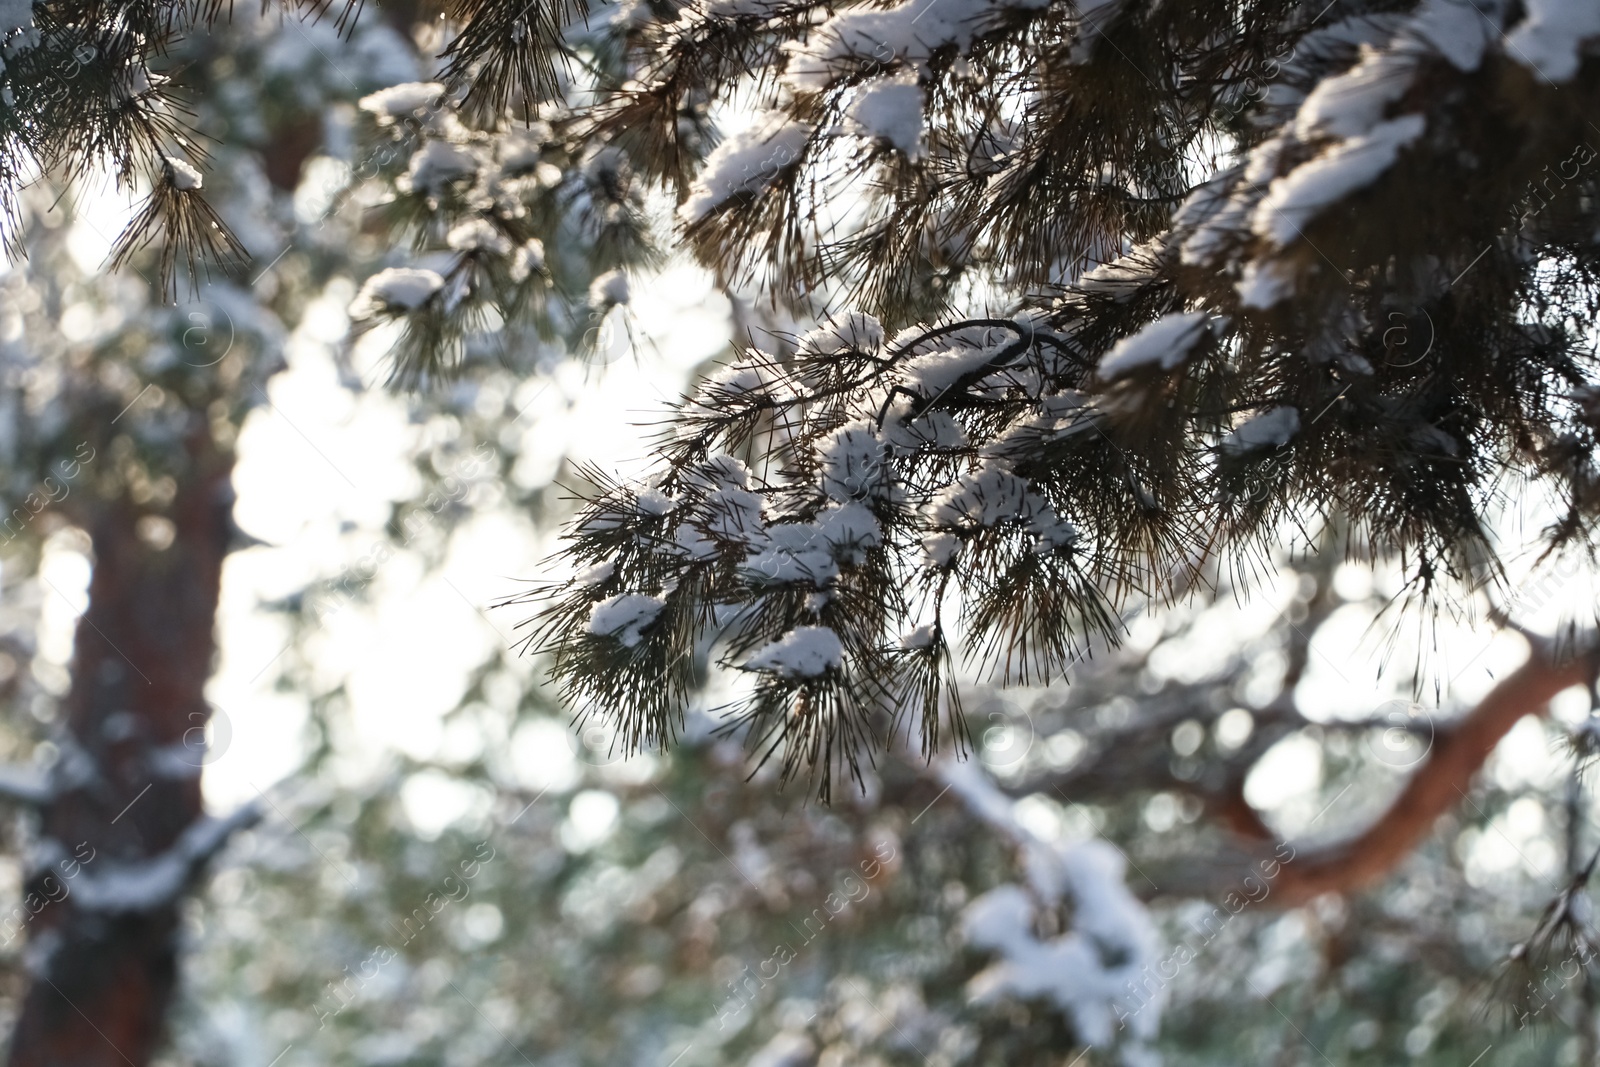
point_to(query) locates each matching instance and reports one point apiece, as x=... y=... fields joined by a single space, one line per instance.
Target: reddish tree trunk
x=127 y=785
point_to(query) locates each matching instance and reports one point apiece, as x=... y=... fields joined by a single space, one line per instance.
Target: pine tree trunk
x=127 y=785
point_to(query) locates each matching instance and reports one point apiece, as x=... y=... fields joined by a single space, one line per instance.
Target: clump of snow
x=891 y=109
x=804 y=652
x=521 y=149
x=158 y=882
x=184 y=178
x=852 y=461
x=1297 y=197
x=395 y=289
x=857 y=332
x=1123 y=277
x=734 y=514
x=529 y=259
x=653 y=501
x=986 y=498
x=787 y=1049
x=1271 y=429
x=15 y=15
x=794 y=552
x=624 y=616
x=920 y=637
x=609 y=290
x=1459 y=32
x=744 y=380
x=850 y=530
x=478 y=235
x=595 y=575
x=911 y=31
x=1550 y=38
x=436 y=165
x=745 y=164
x=940 y=549
x=694 y=544
x=1352 y=103
x=402 y=101
x=735 y=9
x=1264 y=284
x=1089 y=972
x=931 y=373
x=1165 y=342
x=935 y=429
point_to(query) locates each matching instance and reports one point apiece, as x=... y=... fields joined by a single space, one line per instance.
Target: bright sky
x=316 y=474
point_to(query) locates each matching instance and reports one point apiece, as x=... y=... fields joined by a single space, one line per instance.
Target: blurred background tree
x=440 y=870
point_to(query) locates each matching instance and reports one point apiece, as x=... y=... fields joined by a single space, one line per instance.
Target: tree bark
x=124 y=804
x=1439 y=783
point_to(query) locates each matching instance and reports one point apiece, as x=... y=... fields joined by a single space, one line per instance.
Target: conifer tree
x=1112 y=304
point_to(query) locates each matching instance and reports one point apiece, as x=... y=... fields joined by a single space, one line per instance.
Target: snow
x=1271 y=429
x=15 y=15
x=804 y=652
x=529 y=259
x=891 y=109
x=653 y=502
x=745 y=164
x=595 y=575
x=858 y=332
x=911 y=31
x=1264 y=284
x=693 y=544
x=733 y=9
x=722 y=471
x=1353 y=103
x=1124 y=276
x=851 y=460
x=1053 y=533
x=850 y=530
x=400 y=101
x=794 y=552
x=1165 y=342
x=1550 y=38
x=784 y=1050
x=931 y=373
x=735 y=380
x=436 y=165
x=1087 y=972
x=1296 y=198
x=986 y=498
x=113 y=886
x=936 y=429
x=920 y=637
x=1456 y=30
x=521 y=150
x=184 y=178
x=624 y=616
x=479 y=235
x=395 y=289
x=609 y=290
x=24 y=784
x=734 y=514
